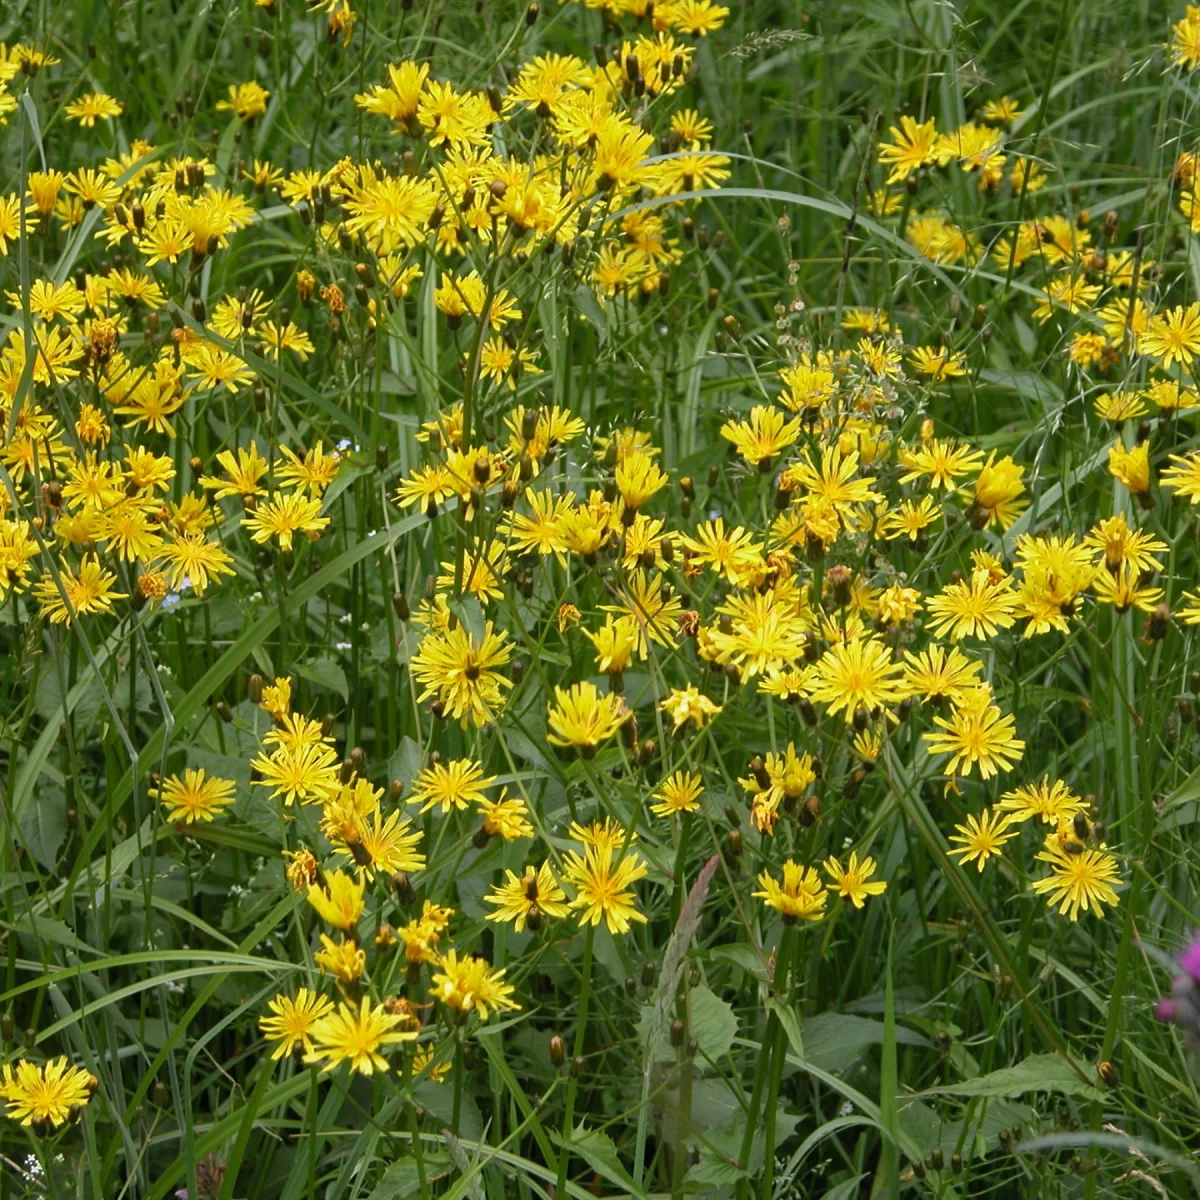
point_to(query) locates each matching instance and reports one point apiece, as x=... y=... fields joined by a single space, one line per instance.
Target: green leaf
x=713 y=1023
x=741 y=954
x=43 y=825
x=1037 y=1073
x=325 y=673
x=407 y=761
x=401 y=1178
x=599 y=1151
x=835 y=1041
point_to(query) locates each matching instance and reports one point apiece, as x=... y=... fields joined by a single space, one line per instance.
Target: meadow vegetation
x=599 y=599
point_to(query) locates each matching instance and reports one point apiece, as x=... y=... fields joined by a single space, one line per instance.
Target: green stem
x=778 y=1053
x=770 y=1039
x=458 y=1079
x=573 y=1087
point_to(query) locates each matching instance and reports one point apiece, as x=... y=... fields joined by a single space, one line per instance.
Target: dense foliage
x=598 y=601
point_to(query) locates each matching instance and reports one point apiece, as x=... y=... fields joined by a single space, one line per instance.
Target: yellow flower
x=977 y=734
x=852 y=882
x=728 y=554
x=799 y=896
x=243 y=470
x=937 y=365
x=912 y=147
x=356 y=1036
x=345 y=959
x=602 y=886
x=277 y=698
x=93 y=107
x=248 y=100
x=678 y=793
x=463 y=673
x=615 y=642
x=293 y=1020
x=1131 y=467
x=285 y=516
x=854 y=674
x=1051 y=802
x=524 y=899
x=308 y=773
x=997 y=492
x=689 y=704
x=45 y=1096
x=453 y=785
x=506 y=818
x=339 y=901
x=1082 y=880
x=471 y=985
x=1172 y=336
x=1185 y=40
x=194 y=797
x=979 y=608
x=764 y=436
x=582 y=718
x=982 y=837
x=1182 y=476
x=89 y=591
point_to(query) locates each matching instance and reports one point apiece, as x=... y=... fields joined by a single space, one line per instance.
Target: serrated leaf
x=713 y=1023
x=401 y=1178
x=1037 y=1073
x=599 y=1151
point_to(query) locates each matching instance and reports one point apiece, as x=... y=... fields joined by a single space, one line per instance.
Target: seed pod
x=678 y=1032
x=558 y=1050
x=1157 y=623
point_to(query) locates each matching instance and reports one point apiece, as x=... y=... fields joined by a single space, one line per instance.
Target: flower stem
x=573 y=1086
x=771 y=1040
x=458 y=1080
x=778 y=1053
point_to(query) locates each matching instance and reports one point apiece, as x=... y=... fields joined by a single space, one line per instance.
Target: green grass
x=955 y=1020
